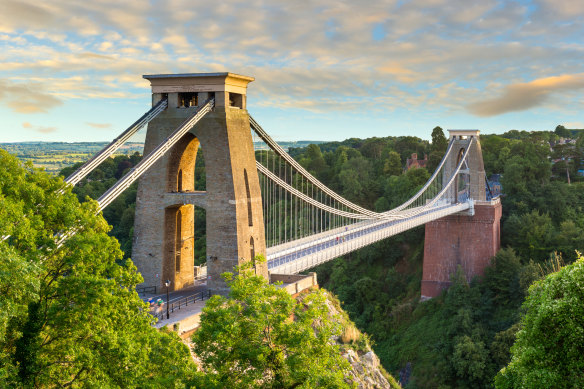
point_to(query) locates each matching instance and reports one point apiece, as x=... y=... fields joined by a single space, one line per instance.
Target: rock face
x=366 y=370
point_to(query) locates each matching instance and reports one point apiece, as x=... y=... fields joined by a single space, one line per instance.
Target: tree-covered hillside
x=460 y=339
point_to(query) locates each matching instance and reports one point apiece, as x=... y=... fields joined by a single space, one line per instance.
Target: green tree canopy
x=260 y=336
x=70 y=315
x=439 y=141
x=548 y=350
x=392 y=165
x=562 y=131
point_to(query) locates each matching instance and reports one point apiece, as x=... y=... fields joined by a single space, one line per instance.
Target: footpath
x=186 y=319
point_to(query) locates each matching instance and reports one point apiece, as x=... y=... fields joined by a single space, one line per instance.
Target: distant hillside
x=54 y=156
x=288 y=145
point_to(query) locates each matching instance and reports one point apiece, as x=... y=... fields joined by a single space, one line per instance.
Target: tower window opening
x=179 y=181
x=178 y=241
x=188 y=99
x=235 y=100
x=248 y=196
x=251 y=248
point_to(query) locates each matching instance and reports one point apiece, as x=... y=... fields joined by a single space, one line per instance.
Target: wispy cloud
x=27 y=97
x=99 y=125
x=523 y=96
x=39 y=129
x=313 y=56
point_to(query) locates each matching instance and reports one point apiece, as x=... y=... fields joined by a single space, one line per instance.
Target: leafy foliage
x=548 y=351
x=463 y=338
x=70 y=315
x=460 y=339
x=259 y=336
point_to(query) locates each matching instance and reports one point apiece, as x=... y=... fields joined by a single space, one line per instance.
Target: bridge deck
x=294 y=257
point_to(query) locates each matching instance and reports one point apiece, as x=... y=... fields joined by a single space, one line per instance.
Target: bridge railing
x=182 y=302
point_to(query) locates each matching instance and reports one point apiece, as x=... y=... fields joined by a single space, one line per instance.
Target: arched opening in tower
x=185 y=224
x=181 y=165
x=460 y=181
x=178 y=241
x=251 y=248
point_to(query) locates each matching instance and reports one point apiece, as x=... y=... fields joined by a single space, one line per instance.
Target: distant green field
x=54 y=156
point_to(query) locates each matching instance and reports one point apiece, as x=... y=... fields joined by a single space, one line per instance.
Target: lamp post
x=167 y=284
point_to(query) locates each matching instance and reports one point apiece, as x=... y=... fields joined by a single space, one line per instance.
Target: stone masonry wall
x=226 y=143
x=466 y=241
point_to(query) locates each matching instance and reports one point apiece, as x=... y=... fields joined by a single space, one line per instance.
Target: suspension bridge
x=259 y=200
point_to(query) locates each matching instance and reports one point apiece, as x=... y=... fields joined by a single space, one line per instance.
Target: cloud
x=563 y=8
x=523 y=96
x=574 y=124
x=437 y=53
x=99 y=125
x=27 y=97
x=39 y=129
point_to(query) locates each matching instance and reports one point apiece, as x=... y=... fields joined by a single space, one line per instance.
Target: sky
x=324 y=70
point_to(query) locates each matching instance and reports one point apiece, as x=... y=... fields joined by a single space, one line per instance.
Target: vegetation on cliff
x=462 y=338
x=548 y=351
x=259 y=336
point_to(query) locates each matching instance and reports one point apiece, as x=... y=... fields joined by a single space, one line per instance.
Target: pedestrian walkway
x=183 y=320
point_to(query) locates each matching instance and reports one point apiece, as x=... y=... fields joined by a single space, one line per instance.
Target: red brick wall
x=468 y=241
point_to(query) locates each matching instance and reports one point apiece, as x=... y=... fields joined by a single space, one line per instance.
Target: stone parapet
x=295 y=283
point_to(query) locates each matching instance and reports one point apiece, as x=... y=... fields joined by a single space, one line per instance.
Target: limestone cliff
x=366 y=371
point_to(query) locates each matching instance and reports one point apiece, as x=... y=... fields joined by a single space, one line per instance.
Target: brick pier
x=459 y=240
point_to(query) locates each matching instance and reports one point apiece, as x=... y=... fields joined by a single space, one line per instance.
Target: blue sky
x=324 y=70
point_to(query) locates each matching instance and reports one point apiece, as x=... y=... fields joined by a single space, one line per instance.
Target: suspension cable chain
x=273 y=177
x=107 y=151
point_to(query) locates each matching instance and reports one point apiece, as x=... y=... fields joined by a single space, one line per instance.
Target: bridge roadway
x=296 y=256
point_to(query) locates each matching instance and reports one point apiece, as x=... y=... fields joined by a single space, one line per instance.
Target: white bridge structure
x=319 y=225
x=305 y=223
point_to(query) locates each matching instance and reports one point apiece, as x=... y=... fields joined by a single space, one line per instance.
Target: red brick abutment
x=460 y=240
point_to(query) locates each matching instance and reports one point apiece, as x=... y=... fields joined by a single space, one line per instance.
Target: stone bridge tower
x=163 y=244
x=468 y=239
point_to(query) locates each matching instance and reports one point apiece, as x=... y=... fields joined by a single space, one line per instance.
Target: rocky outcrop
x=366 y=370
x=367 y=373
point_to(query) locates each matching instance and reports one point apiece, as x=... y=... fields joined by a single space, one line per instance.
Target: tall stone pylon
x=467 y=240
x=163 y=244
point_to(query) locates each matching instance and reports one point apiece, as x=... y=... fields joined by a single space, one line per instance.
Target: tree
x=533 y=235
x=392 y=165
x=259 y=336
x=439 y=141
x=398 y=189
x=70 y=315
x=354 y=178
x=562 y=131
x=565 y=154
x=548 y=350
x=314 y=161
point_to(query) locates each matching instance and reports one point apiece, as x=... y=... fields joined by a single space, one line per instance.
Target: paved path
x=187 y=317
